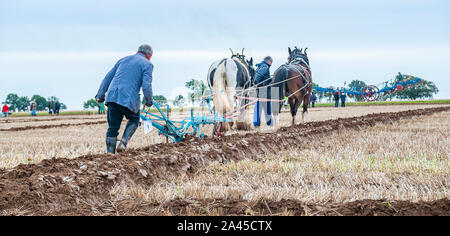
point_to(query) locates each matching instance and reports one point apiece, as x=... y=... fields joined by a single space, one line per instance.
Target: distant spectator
x=5 y=110
x=313 y=99
x=57 y=107
x=336 y=98
x=399 y=76
x=33 y=108
x=50 y=104
x=343 y=98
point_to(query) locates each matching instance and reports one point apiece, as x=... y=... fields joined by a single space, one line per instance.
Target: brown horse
x=292 y=80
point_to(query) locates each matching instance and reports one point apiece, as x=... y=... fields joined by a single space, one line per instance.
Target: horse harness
x=304 y=68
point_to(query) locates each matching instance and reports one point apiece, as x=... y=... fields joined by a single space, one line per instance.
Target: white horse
x=228 y=78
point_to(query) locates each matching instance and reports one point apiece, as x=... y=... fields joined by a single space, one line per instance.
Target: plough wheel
x=370 y=93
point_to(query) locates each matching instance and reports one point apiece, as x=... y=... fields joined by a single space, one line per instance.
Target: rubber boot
x=111 y=145
x=127 y=134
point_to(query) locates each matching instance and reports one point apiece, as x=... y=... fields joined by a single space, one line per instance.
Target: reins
x=256 y=99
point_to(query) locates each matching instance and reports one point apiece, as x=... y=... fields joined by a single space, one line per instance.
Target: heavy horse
x=228 y=78
x=293 y=80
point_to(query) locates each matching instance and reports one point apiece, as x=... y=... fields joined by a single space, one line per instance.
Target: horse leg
x=291 y=106
x=306 y=99
x=226 y=126
x=294 y=104
x=305 y=110
x=217 y=131
x=243 y=122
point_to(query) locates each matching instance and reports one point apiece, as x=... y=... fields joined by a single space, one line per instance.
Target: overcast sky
x=65 y=48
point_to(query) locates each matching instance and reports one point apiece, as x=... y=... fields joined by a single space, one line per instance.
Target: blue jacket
x=313 y=98
x=262 y=73
x=123 y=83
x=343 y=97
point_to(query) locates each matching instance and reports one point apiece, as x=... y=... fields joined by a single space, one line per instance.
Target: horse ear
x=305 y=51
x=289 y=50
x=232 y=53
x=301 y=49
x=251 y=60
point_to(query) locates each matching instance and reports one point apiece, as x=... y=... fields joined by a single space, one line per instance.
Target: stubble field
x=394 y=163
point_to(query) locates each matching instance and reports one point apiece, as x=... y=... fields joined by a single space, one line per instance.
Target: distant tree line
x=198 y=93
x=160 y=99
x=424 y=90
x=90 y=104
x=18 y=103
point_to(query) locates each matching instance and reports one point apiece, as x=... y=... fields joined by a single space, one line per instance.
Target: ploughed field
x=375 y=160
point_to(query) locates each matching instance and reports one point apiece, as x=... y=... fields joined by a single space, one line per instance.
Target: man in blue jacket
x=313 y=99
x=121 y=86
x=262 y=79
x=343 y=99
x=336 y=96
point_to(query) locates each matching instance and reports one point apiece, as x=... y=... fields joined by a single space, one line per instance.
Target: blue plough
x=177 y=130
x=372 y=92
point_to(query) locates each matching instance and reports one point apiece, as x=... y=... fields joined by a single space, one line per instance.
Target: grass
x=443 y=101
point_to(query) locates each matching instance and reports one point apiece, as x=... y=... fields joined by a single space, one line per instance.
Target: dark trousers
x=343 y=103
x=116 y=113
x=336 y=103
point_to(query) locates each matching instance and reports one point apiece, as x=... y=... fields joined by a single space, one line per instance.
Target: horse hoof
x=219 y=134
x=243 y=126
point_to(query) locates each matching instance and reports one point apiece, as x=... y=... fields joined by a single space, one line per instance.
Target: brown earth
x=81 y=186
x=52 y=126
x=291 y=207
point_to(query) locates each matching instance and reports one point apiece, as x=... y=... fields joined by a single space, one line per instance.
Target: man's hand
x=149 y=104
x=99 y=100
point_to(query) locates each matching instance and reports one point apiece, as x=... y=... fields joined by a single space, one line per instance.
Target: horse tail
x=278 y=93
x=221 y=99
x=280 y=76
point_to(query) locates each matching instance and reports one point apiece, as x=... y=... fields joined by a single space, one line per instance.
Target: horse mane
x=242 y=60
x=299 y=56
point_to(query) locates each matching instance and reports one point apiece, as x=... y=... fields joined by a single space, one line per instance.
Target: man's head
x=146 y=50
x=268 y=60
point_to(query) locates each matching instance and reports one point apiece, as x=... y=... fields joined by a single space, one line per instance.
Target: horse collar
x=299 y=60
